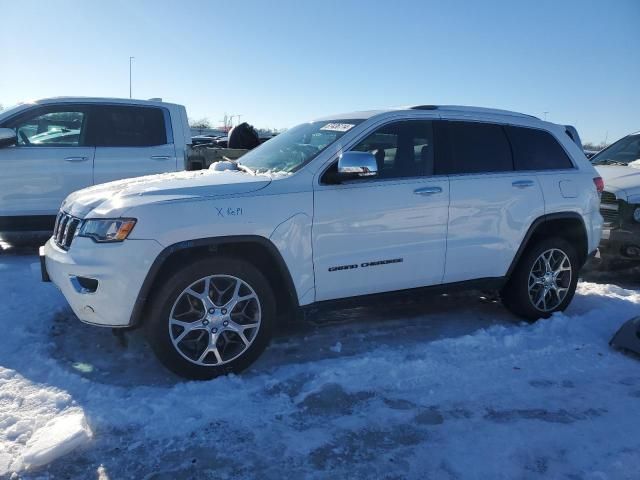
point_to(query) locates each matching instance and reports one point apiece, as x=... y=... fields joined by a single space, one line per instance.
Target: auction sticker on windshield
x=338 y=127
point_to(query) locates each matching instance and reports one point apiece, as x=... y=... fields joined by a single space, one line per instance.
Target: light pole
x=130 y=58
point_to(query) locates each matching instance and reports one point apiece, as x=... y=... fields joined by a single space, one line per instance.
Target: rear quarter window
x=535 y=149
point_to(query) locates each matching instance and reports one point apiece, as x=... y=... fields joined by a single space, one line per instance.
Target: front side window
x=625 y=151
x=127 y=126
x=402 y=149
x=473 y=147
x=60 y=128
x=535 y=149
x=290 y=150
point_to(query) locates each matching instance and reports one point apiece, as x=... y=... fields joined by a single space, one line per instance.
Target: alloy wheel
x=549 y=280
x=215 y=320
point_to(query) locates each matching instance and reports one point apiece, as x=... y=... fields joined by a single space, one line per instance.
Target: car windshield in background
x=290 y=150
x=625 y=151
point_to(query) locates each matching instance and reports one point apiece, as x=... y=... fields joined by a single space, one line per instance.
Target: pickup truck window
x=296 y=147
x=127 y=126
x=62 y=128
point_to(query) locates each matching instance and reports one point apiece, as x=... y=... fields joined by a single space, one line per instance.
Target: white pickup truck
x=52 y=147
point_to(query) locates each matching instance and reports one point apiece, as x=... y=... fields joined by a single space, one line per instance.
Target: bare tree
x=201 y=123
x=594 y=146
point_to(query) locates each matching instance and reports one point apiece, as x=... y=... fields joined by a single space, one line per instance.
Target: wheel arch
x=568 y=225
x=256 y=249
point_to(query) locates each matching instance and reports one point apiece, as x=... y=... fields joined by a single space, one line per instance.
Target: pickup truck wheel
x=211 y=318
x=544 y=280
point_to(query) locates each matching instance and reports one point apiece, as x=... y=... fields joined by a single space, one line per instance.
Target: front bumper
x=100 y=281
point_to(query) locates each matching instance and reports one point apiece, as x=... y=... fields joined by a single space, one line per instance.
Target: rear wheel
x=211 y=318
x=544 y=280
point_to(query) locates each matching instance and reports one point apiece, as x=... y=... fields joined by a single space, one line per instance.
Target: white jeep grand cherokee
x=348 y=206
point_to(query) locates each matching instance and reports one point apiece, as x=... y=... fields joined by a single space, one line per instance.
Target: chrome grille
x=609 y=208
x=65 y=229
x=608 y=197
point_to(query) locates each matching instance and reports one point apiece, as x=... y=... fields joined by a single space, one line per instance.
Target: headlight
x=107 y=230
x=636 y=214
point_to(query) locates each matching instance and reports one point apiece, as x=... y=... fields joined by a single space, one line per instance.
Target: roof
x=365 y=114
x=124 y=101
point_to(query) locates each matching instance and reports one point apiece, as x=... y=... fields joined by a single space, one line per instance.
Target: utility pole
x=130 y=58
x=545 y=116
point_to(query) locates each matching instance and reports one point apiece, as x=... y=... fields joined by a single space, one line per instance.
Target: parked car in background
x=590 y=153
x=335 y=210
x=202 y=140
x=52 y=147
x=619 y=166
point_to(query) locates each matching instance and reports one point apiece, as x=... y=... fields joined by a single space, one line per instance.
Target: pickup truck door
x=49 y=161
x=131 y=141
x=385 y=234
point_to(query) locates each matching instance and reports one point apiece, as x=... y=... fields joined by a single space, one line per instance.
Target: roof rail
x=462 y=108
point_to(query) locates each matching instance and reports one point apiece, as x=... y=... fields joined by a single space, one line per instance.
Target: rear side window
x=115 y=126
x=472 y=147
x=536 y=150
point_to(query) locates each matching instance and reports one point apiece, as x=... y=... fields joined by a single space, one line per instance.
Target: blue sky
x=282 y=62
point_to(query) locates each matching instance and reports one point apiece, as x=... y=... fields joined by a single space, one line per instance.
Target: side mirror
x=7 y=137
x=356 y=165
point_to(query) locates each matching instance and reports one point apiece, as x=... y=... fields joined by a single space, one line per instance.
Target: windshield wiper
x=612 y=162
x=244 y=168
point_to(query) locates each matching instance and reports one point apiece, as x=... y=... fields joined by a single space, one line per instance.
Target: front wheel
x=212 y=317
x=544 y=280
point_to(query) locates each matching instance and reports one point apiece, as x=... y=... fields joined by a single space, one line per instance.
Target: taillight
x=599 y=184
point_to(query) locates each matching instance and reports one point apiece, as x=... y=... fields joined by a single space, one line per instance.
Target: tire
x=516 y=294
x=243 y=136
x=174 y=311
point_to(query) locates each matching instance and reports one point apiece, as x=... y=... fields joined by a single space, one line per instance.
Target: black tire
x=243 y=136
x=157 y=328
x=515 y=295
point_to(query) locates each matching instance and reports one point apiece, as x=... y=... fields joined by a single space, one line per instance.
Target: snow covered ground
x=446 y=387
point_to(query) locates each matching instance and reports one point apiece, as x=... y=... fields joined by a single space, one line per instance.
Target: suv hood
x=114 y=197
x=623 y=181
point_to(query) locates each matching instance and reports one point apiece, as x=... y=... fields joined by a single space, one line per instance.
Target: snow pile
x=448 y=388
x=57 y=438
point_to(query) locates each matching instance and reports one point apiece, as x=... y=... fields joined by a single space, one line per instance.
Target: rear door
x=50 y=160
x=131 y=141
x=492 y=205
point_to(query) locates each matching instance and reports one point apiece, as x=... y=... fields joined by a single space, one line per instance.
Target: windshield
x=625 y=151
x=290 y=150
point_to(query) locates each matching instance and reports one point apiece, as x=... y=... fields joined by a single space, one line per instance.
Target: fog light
x=636 y=214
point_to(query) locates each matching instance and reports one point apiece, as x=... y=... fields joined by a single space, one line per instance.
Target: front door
x=49 y=161
x=388 y=233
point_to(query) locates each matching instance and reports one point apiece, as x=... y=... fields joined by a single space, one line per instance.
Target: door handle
x=160 y=157
x=428 y=191
x=75 y=159
x=522 y=183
